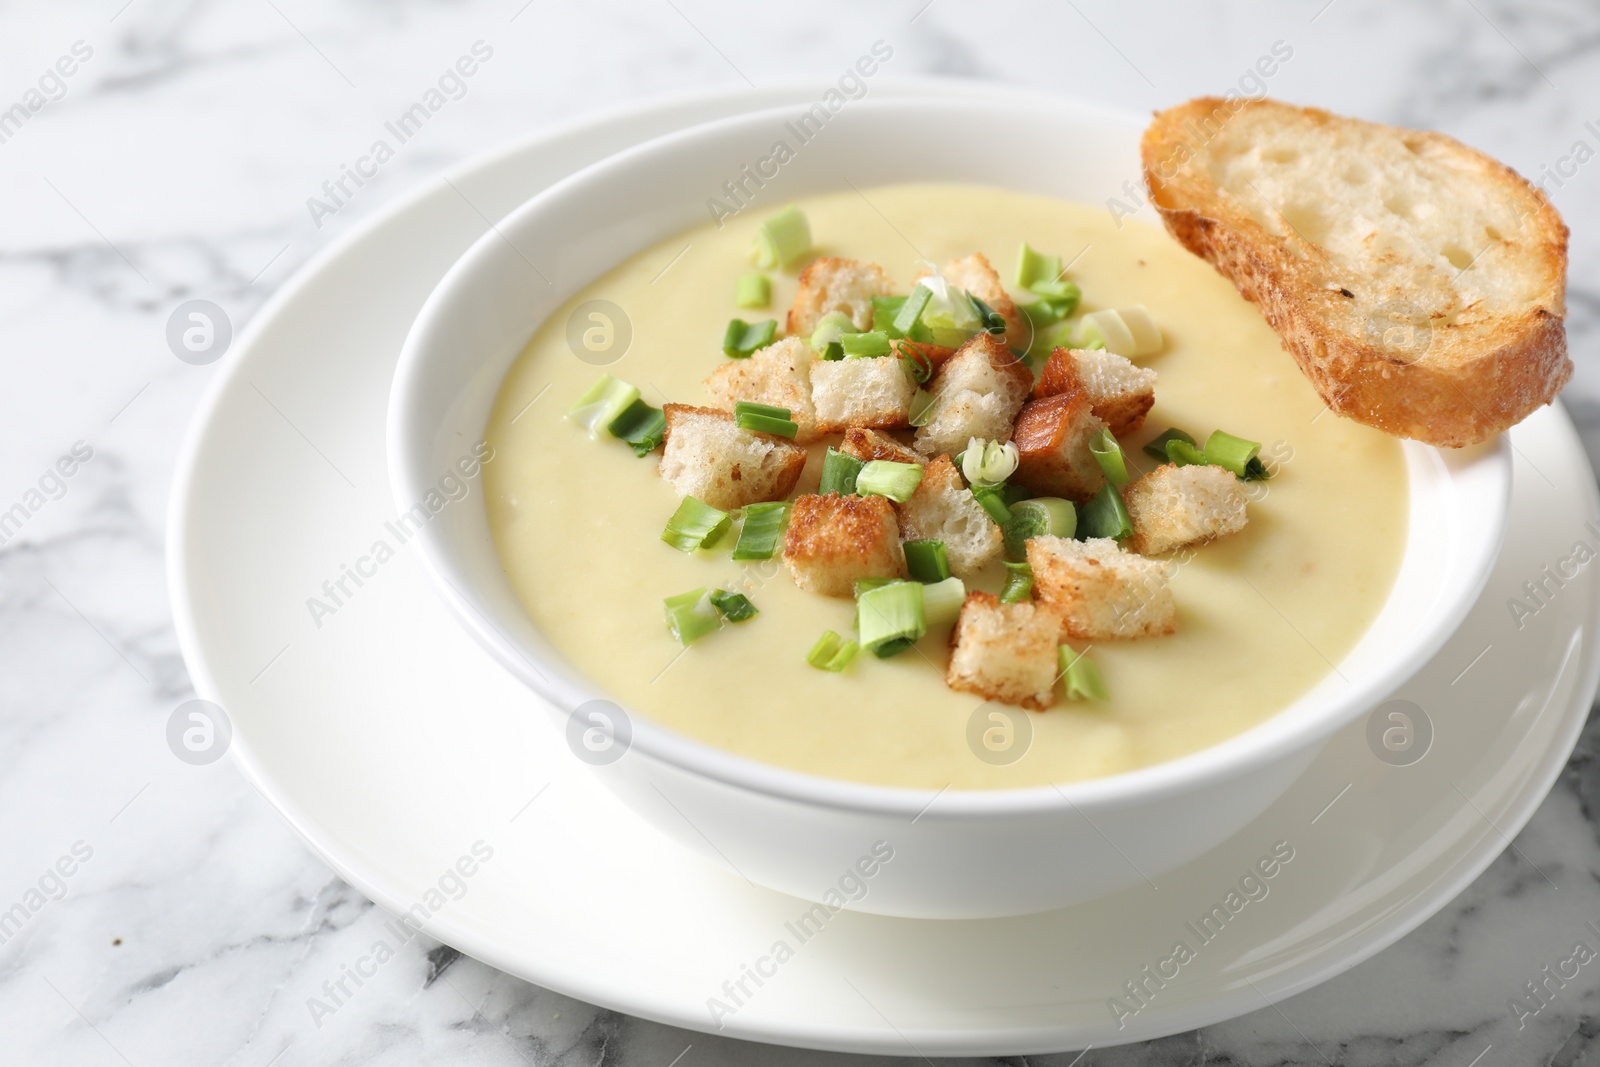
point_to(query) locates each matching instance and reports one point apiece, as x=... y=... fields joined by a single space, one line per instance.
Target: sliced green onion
x=764 y=418
x=917 y=363
x=1019 y=583
x=921 y=408
x=1184 y=454
x=640 y=426
x=601 y=403
x=1042 y=313
x=865 y=585
x=927 y=560
x=991 y=319
x=1014 y=494
x=752 y=291
x=763 y=525
x=1082 y=676
x=734 y=607
x=910 y=312
x=840 y=470
x=1035 y=267
x=1043 y=516
x=690 y=616
x=1156 y=448
x=1059 y=294
x=1234 y=453
x=835 y=350
x=941 y=601
x=832 y=652
x=1108 y=454
x=829 y=329
x=885 y=309
x=988 y=462
x=890 y=613
x=893 y=648
x=868 y=345
x=1126 y=331
x=1089 y=336
x=1256 y=471
x=991 y=500
x=781 y=239
x=1105 y=515
x=883 y=477
x=742 y=338
x=695 y=525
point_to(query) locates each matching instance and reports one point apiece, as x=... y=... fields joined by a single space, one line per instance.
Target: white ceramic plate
x=392 y=743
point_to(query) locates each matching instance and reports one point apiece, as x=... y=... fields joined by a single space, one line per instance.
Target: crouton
x=872 y=391
x=833 y=540
x=1100 y=590
x=978 y=277
x=1173 y=507
x=868 y=445
x=976 y=394
x=1120 y=393
x=1052 y=439
x=708 y=457
x=1005 y=652
x=830 y=284
x=944 y=509
x=779 y=374
x=926 y=352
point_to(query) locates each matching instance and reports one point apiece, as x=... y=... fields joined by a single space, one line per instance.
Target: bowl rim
x=407 y=453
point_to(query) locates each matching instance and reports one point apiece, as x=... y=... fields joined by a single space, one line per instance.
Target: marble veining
x=178 y=163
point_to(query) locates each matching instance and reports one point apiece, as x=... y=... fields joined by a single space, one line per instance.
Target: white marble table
x=175 y=161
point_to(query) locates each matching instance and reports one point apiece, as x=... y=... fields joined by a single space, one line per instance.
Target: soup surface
x=1262 y=615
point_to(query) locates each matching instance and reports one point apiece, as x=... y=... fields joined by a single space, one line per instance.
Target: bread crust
x=1474 y=381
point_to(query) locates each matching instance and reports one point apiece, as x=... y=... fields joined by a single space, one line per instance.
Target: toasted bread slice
x=1175 y=507
x=833 y=540
x=1420 y=285
x=1005 y=652
x=872 y=391
x=707 y=456
x=1100 y=590
x=1120 y=392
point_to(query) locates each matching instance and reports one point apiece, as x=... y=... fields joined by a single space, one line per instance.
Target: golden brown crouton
x=779 y=374
x=1172 y=507
x=868 y=445
x=1100 y=590
x=872 y=391
x=944 y=509
x=1120 y=392
x=708 y=457
x=1052 y=439
x=832 y=284
x=976 y=394
x=927 y=353
x=1005 y=652
x=977 y=276
x=833 y=540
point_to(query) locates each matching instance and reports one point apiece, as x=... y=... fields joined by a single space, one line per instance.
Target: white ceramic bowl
x=956 y=854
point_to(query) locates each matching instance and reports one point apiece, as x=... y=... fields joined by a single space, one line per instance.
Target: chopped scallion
x=742 y=338
x=1126 y=331
x=1081 y=675
x=917 y=363
x=690 y=616
x=764 y=418
x=988 y=462
x=991 y=500
x=1043 y=516
x=601 y=403
x=921 y=407
x=1035 y=267
x=781 y=239
x=1012 y=494
x=882 y=477
x=734 y=607
x=1156 y=448
x=988 y=317
x=910 y=312
x=869 y=345
x=1105 y=515
x=695 y=525
x=752 y=291
x=832 y=652
x=641 y=426
x=1019 y=583
x=927 y=560
x=840 y=471
x=1256 y=471
x=885 y=309
x=829 y=329
x=1103 y=446
x=1233 y=453
x=890 y=614
x=1184 y=454
x=762 y=527
x=864 y=585
x=941 y=601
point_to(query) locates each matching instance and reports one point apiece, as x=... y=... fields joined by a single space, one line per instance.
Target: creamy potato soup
x=1261 y=614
